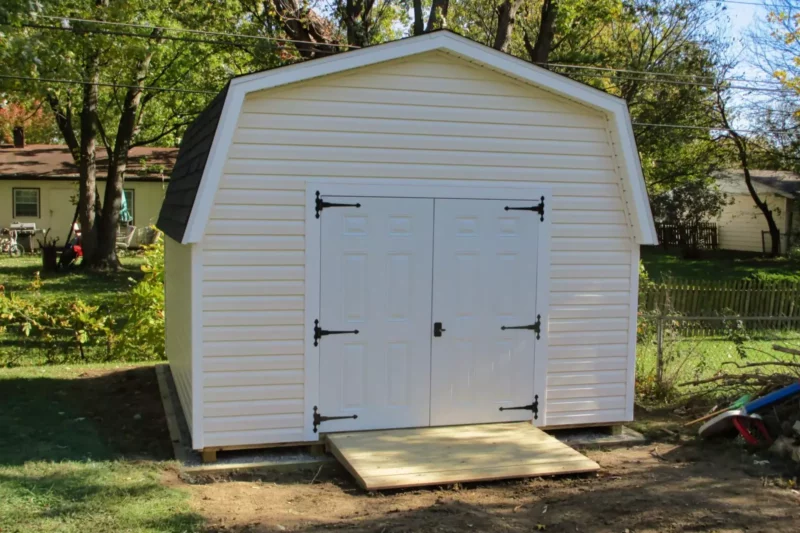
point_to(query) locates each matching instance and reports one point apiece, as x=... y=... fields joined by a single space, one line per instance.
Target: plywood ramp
x=401 y=458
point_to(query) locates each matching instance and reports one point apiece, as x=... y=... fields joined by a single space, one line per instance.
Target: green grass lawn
x=696 y=357
x=85 y=449
x=94 y=288
x=16 y=275
x=719 y=265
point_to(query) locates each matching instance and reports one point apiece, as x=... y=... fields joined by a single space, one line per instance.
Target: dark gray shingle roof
x=185 y=179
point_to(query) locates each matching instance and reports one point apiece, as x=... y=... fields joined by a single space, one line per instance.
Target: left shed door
x=376 y=278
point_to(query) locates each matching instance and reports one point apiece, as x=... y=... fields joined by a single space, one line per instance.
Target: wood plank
x=402 y=458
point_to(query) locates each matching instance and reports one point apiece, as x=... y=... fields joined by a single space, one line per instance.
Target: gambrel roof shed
x=206 y=142
x=427 y=232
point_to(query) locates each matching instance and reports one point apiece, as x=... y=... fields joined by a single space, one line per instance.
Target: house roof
x=189 y=197
x=781 y=182
x=54 y=162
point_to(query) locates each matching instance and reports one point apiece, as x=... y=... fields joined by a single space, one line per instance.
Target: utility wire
x=140 y=36
x=706 y=128
x=276 y=39
x=653 y=73
x=584 y=67
x=196 y=32
x=103 y=84
x=193 y=91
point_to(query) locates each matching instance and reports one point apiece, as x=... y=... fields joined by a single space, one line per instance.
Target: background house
x=742 y=225
x=39 y=183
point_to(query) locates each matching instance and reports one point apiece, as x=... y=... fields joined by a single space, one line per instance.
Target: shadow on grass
x=86 y=496
x=98 y=415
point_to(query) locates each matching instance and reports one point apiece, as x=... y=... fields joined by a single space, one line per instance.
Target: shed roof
x=54 y=162
x=196 y=176
x=188 y=171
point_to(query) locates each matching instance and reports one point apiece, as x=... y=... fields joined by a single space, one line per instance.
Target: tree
x=743 y=146
x=39 y=126
x=113 y=106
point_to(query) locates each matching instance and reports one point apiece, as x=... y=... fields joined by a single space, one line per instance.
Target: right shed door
x=484 y=278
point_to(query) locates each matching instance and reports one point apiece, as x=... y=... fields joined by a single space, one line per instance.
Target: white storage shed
x=425 y=232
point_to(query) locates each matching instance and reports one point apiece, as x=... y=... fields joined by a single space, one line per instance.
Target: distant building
x=39 y=184
x=742 y=225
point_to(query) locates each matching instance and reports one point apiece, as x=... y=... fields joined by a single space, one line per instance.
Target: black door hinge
x=319 y=419
x=321 y=204
x=536 y=326
x=319 y=332
x=536 y=208
x=532 y=407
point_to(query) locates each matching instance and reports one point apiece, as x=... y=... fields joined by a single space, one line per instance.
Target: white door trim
x=419 y=189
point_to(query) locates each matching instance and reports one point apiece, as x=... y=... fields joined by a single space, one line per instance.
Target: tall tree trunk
x=419 y=22
x=744 y=160
x=506 y=16
x=87 y=164
x=774 y=231
x=438 y=16
x=540 y=53
x=118 y=164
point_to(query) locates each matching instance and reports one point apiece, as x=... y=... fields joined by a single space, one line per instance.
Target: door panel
x=484 y=277
x=376 y=277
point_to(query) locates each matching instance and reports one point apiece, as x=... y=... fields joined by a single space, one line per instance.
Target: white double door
x=392 y=268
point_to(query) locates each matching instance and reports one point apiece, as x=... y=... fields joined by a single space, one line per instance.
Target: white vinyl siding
x=430 y=117
x=741 y=223
x=178 y=304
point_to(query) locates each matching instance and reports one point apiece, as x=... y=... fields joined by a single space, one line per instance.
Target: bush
x=42 y=330
x=142 y=336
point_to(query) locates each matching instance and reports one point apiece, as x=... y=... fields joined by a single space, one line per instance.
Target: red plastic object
x=78 y=250
x=741 y=424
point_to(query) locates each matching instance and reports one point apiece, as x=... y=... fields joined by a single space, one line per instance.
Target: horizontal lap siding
x=178 y=303
x=430 y=117
x=741 y=223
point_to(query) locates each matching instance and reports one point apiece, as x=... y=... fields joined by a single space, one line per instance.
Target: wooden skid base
x=403 y=458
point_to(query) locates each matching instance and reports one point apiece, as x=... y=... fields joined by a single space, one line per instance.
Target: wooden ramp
x=400 y=458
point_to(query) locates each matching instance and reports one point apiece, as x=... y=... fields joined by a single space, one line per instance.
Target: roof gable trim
x=635 y=194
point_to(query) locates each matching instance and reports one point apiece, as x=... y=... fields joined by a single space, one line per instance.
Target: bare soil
x=661 y=487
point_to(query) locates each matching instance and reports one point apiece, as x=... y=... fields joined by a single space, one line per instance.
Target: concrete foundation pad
x=279 y=459
x=299 y=458
x=598 y=437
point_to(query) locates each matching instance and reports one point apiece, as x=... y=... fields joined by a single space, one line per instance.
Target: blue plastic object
x=772 y=398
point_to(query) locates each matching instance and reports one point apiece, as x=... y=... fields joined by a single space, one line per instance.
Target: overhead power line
x=707 y=128
x=103 y=84
x=655 y=73
x=195 y=91
x=281 y=40
x=196 y=32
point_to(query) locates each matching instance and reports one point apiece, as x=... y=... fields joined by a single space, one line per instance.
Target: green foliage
x=142 y=336
x=130 y=327
x=61 y=330
x=691 y=202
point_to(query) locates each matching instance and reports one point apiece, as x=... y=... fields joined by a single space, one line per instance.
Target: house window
x=26 y=203
x=129 y=201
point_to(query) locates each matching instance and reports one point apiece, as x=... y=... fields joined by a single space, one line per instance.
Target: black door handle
x=438 y=329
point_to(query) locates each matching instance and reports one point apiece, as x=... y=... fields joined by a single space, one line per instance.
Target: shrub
x=36 y=329
x=142 y=336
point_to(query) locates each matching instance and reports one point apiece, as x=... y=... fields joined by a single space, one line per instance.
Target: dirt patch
x=654 y=488
x=125 y=407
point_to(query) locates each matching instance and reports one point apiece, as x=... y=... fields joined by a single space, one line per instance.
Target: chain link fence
x=683 y=354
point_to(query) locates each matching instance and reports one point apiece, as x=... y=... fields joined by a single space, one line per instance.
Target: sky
x=735 y=23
